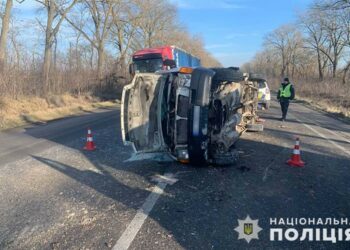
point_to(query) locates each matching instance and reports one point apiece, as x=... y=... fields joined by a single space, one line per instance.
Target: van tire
x=228 y=159
x=227 y=75
x=255 y=127
x=255 y=77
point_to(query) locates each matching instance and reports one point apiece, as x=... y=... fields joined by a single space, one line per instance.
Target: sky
x=233 y=30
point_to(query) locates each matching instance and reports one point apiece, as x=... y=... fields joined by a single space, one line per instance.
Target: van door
x=141 y=111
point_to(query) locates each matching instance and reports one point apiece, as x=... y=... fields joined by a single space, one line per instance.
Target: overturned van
x=194 y=115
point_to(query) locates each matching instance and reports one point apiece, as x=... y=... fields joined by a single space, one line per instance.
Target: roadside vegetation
x=314 y=53
x=37 y=110
x=79 y=49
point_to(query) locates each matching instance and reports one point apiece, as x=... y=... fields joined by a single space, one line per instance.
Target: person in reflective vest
x=285 y=94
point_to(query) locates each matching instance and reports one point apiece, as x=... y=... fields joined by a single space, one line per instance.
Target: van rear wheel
x=255 y=127
x=227 y=159
x=227 y=75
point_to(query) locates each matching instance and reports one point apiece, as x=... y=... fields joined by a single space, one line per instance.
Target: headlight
x=182 y=154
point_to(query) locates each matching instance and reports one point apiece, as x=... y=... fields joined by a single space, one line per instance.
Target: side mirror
x=132 y=69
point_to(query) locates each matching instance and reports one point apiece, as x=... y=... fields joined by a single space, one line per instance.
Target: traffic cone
x=295 y=160
x=90 y=145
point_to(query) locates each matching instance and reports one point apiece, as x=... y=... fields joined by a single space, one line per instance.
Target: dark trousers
x=284 y=108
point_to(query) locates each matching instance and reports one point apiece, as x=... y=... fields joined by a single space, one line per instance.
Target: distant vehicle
x=161 y=58
x=193 y=115
x=264 y=95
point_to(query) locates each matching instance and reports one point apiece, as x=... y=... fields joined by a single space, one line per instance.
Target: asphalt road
x=54 y=195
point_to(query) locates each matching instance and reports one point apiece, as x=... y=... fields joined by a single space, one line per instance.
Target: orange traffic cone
x=90 y=145
x=295 y=160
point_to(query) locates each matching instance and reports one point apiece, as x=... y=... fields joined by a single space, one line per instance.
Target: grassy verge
x=33 y=110
x=330 y=96
x=326 y=106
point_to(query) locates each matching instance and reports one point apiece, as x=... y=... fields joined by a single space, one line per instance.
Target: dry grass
x=330 y=95
x=27 y=110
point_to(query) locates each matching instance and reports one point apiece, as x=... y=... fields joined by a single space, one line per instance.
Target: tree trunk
x=149 y=39
x=92 y=58
x=18 y=55
x=320 y=69
x=123 y=66
x=334 y=66
x=48 y=48
x=55 y=54
x=283 y=70
x=100 y=61
x=345 y=73
x=4 y=33
x=46 y=68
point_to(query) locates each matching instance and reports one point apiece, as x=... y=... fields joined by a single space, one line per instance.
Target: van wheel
x=228 y=159
x=255 y=127
x=255 y=77
x=227 y=74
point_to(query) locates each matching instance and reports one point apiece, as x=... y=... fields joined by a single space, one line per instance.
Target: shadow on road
x=202 y=208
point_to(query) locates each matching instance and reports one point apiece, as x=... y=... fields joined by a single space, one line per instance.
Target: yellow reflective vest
x=286 y=91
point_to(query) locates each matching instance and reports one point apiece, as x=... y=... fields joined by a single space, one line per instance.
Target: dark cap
x=286 y=79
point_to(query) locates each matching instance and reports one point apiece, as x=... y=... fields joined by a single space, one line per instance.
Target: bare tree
x=157 y=19
x=102 y=34
x=332 y=4
x=124 y=31
x=16 y=45
x=5 y=20
x=334 y=42
x=267 y=62
x=56 y=12
x=345 y=17
x=286 y=40
x=315 y=37
x=101 y=14
x=192 y=44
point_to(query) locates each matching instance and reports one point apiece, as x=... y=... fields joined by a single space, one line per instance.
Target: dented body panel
x=190 y=116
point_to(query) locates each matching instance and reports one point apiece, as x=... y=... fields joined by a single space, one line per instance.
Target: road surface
x=54 y=195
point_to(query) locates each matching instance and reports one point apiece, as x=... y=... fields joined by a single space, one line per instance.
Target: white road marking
x=135 y=225
x=167 y=179
x=330 y=131
x=322 y=135
x=336 y=134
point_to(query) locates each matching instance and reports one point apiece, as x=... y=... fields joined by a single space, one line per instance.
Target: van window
x=261 y=84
